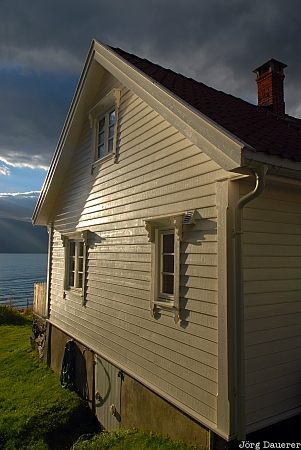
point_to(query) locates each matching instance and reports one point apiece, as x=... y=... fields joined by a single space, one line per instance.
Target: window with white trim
x=166 y=264
x=75 y=262
x=103 y=119
x=165 y=235
x=105 y=135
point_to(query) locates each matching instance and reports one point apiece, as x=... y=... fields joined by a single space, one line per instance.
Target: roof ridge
x=199 y=83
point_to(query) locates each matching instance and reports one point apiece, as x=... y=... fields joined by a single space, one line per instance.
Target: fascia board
x=215 y=141
x=36 y=220
x=250 y=157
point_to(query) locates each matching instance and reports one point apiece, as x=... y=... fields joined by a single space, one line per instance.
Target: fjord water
x=18 y=273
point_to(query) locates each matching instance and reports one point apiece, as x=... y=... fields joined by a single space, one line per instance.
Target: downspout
x=49 y=269
x=259 y=173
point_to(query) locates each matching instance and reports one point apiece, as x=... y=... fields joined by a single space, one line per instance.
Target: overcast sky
x=43 y=45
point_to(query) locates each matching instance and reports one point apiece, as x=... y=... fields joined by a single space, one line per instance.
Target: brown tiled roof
x=257 y=127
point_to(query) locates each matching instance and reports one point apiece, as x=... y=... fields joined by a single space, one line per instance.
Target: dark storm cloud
x=32 y=112
x=43 y=45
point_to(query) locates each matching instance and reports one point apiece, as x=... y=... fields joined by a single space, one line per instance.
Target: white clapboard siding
x=158 y=172
x=272 y=274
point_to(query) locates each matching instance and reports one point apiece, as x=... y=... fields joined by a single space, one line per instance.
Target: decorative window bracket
x=174 y=222
x=110 y=99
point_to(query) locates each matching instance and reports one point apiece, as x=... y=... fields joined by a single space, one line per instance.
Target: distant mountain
x=17 y=235
x=17 y=207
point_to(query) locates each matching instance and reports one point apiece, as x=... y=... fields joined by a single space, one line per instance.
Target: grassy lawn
x=37 y=413
x=131 y=440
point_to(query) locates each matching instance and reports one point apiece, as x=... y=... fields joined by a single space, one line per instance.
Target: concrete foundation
x=142 y=408
x=139 y=406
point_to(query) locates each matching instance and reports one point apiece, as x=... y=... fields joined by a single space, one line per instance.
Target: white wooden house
x=174 y=217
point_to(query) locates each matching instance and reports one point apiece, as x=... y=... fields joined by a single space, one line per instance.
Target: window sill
x=73 y=294
x=98 y=162
x=164 y=304
x=159 y=306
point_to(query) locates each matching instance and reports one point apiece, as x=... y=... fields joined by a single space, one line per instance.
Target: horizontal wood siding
x=272 y=272
x=158 y=172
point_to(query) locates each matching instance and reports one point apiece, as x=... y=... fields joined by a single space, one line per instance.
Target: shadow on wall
x=202 y=233
x=81 y=380
x=82 y=361
x=101 y=400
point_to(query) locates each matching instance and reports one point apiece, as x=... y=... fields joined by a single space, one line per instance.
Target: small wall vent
x=188 y=218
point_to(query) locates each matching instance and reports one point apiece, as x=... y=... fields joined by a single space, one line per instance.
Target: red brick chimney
x=269 y=78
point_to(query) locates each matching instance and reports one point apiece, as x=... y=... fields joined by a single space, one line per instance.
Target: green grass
x=131 y=440
x=35 y=411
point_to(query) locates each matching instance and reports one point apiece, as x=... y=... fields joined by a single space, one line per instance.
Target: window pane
x=101 y=125
x=81 y=249
x=100 y=151
x=80 y=280
x=111 y=132
x=110 y=145
x=71 y=279
x=168 y=243
x=167 y=281
x=80 y=264
x=112 y=118
x=101 y=138
x=72 y=248
x=168 y=263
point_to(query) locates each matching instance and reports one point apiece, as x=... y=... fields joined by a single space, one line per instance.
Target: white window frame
x=78 y=255
x=107 y=137
x=164 y=296
x=76 y=288
x=102 y=110
x=156 y=227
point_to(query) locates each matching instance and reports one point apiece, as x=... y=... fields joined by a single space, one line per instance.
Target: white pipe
x=49 y=269
x=259 y=174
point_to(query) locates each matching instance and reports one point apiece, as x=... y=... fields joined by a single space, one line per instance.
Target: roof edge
x=165 y=100
x=277 y=163
x=113 y=62
x=62 y=138
x=218 y=143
